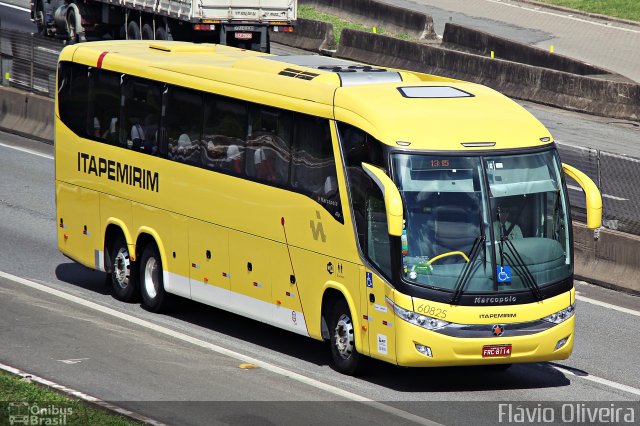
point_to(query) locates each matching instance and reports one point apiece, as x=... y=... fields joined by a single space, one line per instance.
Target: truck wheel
x=154 y=298
x=124 y=280
x=72 y=26
x=133 y=31
x=346 y=359
x=161 y=33
x=39 y=15
x=147 y=32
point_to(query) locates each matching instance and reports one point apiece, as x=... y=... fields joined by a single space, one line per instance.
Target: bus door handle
x=372 y=297
x=249 y=266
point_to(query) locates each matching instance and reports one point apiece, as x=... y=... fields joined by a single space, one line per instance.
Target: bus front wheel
x=122 y=271
x=342 y=340
x=154 y=298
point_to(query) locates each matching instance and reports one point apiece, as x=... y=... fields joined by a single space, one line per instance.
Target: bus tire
x=154 y=298
x=147 y=32
x=124 y=279
x=133 y=31
x=345 y=358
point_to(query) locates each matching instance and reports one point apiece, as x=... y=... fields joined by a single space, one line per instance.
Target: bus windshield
x=483 y=224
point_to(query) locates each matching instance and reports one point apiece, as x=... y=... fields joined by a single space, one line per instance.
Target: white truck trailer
x=241 y=23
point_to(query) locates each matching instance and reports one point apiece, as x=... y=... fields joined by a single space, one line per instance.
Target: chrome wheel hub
x=344 y=336
x=151 y=277
x=122 y=267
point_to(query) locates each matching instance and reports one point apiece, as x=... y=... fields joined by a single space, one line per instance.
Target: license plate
x=496 y=351
x=243 y=36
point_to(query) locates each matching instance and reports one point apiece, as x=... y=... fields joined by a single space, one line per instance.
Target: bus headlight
x=411 y=317
x=561 y=316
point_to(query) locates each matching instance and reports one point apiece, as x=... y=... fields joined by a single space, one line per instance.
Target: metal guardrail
x=29 y=61
x=617 y=176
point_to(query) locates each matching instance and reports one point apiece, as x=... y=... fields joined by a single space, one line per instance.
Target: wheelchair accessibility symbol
x=504 y=274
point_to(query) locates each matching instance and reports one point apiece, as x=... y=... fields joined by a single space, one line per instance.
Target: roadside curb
x=81 y=396
x=579 y=12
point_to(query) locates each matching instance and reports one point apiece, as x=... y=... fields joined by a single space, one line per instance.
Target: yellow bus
x=406 y=217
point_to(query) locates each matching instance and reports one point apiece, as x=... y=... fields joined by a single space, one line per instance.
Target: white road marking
x=560 y=15
x=223 y=351
x=73 y=361
x=608 y=305
x=28 y=151
x=600 y=380
x=13 y=6
x=80 y=395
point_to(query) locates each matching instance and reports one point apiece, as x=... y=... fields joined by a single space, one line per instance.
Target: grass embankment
x=627 y=9
x=309 y=12
x=19 y=398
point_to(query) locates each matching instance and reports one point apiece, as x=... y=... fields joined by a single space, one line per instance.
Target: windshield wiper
x=518 y=263
x=463 y=279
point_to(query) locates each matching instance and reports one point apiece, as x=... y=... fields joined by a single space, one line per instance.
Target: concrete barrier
x=482 y=43
x=393 y=19
x=521 y=81
x=315 y=36
x=26 y=114
x=612 y=261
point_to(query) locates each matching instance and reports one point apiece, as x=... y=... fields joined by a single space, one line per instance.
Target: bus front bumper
x=419 y=347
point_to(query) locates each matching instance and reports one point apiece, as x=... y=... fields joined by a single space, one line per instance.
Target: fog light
x=424 y=350
x=561 y=343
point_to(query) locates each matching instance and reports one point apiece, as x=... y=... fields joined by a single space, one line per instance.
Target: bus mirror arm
x=593 y=199
x=392 y=199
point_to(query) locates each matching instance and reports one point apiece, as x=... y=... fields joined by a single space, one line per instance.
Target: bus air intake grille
x=291 y=72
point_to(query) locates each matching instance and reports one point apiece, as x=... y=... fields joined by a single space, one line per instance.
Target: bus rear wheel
x=154 y=298
x=124 y=280
x=346 y=359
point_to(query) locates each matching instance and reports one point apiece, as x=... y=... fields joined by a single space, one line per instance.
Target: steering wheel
x=449 y=253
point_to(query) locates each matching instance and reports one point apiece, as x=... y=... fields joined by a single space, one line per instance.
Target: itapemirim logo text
x=38 y=414
x=573 y=413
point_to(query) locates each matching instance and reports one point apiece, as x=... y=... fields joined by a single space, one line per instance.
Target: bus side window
x=359 y=147
x=313 y=168
x=142 y=101
x=183 y=123
x=269 y=144
x=378 y=240
x=225 y=132
x=104 y=106
x=73 y=85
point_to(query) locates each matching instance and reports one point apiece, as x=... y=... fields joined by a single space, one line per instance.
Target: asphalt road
x=149 y=363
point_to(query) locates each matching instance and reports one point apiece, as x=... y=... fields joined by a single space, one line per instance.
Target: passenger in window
x=150 y=131
x=234 y=159
x=264 y=164
x=96 y=128
x=503 y=227
x=137 y=136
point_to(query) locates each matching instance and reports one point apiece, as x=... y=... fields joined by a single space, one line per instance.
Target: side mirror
x=592 y=195
x=392 y=199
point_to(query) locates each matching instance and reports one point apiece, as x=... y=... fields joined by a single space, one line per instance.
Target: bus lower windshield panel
x=483 y=224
